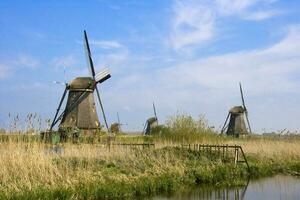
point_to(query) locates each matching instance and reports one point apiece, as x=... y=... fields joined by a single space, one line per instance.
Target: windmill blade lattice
x=245 y=108
x=154 y=110
x=92 y=73
x=89 y=55
x=242 y=96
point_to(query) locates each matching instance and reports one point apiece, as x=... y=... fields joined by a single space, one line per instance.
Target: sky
x=187 y=56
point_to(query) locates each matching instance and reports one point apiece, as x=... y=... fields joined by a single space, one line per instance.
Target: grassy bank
x=80 y=171
x=31 y=169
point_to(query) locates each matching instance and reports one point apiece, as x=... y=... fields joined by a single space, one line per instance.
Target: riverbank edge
x=167 y=182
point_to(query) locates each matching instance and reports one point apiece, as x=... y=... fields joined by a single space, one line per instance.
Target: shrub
x=184 y=128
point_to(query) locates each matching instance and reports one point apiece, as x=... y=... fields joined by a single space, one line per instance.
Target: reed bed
x=29 y=167
x=33 y=169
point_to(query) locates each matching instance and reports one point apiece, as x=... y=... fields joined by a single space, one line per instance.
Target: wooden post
x=223 y=152
x=226 y=152
x=245 y=159
x=235 y=154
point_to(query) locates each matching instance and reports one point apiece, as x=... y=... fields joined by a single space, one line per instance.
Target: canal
x=278 y=187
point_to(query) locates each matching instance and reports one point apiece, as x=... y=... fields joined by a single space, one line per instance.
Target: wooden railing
x=134 y=145
x=226 y=153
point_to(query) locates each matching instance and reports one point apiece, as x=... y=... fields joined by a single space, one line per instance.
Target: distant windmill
x=116 y=126
x=80 y=111
x=237 y=114
x=151 y=123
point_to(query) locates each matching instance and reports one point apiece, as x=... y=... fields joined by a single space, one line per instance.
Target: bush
x=184 y=128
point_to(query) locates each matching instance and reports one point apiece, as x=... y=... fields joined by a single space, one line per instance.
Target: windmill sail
x=89 y=55
x=100 y=77
x=154 y=110
x=58 y=108
x=242 y=96
x=118 y=118
x=245 y=108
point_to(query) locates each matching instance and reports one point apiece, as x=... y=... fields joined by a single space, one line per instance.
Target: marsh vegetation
x=33 y=169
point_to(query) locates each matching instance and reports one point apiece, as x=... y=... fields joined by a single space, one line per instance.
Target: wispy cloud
x=65 y=61
x=26 y=61
x=5 y=71
x=9 y=67
x=114 y=58
x=234 y=7
x=270 y=67
x=35 y=34
x=210 y=82
x=106 y=44
x=261 y=15
x=195 y=22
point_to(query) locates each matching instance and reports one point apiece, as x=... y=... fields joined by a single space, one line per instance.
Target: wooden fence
x=133 y=145
x=226 y=153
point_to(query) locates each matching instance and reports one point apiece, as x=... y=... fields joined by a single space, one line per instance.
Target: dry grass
x=25 y=166
x=31 y=165
x=271 y=148
x=28 y=166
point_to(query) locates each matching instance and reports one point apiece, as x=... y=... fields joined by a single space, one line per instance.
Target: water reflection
x=277 y=187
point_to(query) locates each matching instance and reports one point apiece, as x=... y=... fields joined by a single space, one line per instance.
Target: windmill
x=80 y=110
x=236 y=115
x=116 y=126
x=151 y=123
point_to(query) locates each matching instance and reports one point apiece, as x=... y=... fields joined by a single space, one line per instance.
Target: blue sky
x=187 y=56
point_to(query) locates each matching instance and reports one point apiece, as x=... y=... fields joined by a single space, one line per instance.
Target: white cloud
x=195 y=22
x=9 y=67
x=210 y=84
x=270 y=67
x=65 y=61
x=261 y=15
x=26 y=61
x=233 y=7
x=5 y=71
x=106 y=44
x=114 y=60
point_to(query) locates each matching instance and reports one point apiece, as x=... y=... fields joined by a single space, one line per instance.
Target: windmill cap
x=82 y=83
x=151 y=120
x=237 y=109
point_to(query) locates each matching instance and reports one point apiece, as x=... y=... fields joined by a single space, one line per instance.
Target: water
x=277 y=187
